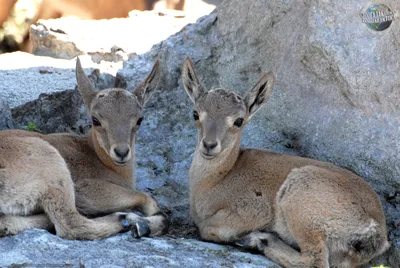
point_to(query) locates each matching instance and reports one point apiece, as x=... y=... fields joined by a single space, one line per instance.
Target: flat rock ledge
x=23 y=76
x=39 y=248
x=111 y=40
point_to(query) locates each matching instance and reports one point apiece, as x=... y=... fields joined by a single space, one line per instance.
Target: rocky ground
x=38 y=248
x=335 y=99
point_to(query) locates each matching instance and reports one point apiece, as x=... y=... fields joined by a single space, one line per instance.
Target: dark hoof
x=261 y=246
x=254 y=241
x=3 y=233
x=245 y=242
x=125 y=222
x=140 y=228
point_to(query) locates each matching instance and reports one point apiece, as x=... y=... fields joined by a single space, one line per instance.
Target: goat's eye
x=139 y=121
x=95 y=121
x=195 y=116
x=238 y=122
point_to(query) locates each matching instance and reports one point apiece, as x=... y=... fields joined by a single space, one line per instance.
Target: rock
x=24 y=76
x=6 y=121
x=110 y=40
x=58 y=112
x=38 y=248
x=335 y=98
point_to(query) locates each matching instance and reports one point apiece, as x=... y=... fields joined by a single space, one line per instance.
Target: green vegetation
x=32 y=127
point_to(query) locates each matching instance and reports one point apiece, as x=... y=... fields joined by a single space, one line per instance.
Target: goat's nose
x=121 y=152
x=209 y=145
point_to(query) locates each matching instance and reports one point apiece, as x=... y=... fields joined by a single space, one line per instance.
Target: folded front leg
x=99 y=198
x=11 y=224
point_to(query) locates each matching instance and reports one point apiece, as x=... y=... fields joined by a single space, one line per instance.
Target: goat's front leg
x=99 y=197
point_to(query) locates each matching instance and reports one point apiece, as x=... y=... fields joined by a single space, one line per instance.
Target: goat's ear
x=191 y=83
x=145 y=89
x=259 y=94
x=85 y=87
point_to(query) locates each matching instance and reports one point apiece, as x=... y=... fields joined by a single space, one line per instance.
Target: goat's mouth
x=120 y=163
x=208 y=156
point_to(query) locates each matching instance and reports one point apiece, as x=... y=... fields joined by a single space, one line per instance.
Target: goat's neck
x=125 y=171
x=211 y=172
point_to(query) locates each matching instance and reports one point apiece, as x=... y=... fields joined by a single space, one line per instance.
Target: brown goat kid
x=46 y=179
x=299 y=212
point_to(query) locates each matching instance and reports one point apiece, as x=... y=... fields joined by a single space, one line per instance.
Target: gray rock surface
x=335 y=98
x=6 y=121
x=38 y=248
x=23 y=76
x=58 y=112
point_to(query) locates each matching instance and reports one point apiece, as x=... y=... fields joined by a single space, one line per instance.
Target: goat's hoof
x=244 y=242
x=140 y=228
x=3 y=233
x=263 y=243
x=254 y=241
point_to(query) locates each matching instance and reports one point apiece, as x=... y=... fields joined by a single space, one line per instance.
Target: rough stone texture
x=38 y=248
x=6 y=121
x=110 y=40
x=58 y=112
x=23 y=76
x=335 y=99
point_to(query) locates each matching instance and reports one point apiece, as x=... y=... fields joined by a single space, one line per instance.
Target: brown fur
x=5 y=10
x=278 y=203
x=46 y=179
x=89 y=9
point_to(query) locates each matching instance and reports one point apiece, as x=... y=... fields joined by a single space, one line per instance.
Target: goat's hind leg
x=278 y=251
x=11 y=224
x=272 y=247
